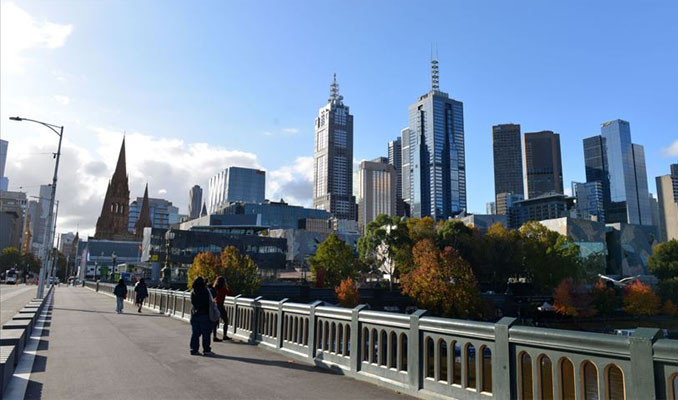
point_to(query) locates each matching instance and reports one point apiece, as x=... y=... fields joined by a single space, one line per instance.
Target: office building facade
x=377 y=190
x=590 y=201
x=161 y=212
x=333 y=158
x=505 y=201
x=667 y=197
x=508 y=159
x=433 y=151
x=194 y=202
x=543 y=166
x=547 y=206
x=395 y=158
x=4 y=182
x=236 y=184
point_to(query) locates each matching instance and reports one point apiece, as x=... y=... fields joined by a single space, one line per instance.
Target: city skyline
x=93 y=135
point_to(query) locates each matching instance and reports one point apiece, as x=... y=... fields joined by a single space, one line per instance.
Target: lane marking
x=16 y=389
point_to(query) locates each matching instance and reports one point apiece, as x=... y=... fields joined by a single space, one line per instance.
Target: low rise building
x=482 y=222
x=548 y=206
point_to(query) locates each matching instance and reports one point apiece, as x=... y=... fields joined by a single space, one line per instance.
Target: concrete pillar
x=641 y=383
x=502 y=375
x=255 y=319
x=355 y=338
x=235 y=313
x=279 y=327
x=312 y=329
x=414 y=351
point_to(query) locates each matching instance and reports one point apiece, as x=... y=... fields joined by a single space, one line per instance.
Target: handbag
x=213 y=310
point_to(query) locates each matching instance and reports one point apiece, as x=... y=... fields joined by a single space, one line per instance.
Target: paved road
x=13 y=298
x=93 y=353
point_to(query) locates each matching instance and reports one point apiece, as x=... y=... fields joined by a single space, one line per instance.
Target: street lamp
x=50 y=216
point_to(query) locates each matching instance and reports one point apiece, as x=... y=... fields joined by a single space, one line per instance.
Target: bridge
x=297 y=351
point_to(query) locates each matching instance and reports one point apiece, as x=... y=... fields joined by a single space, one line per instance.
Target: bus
x=11 y=277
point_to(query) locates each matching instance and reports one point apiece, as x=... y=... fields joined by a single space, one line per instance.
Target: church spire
x=144 y=220
x=121 y=166
x=112 y=223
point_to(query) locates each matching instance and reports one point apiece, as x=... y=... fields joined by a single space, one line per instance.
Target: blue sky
x=242 y=82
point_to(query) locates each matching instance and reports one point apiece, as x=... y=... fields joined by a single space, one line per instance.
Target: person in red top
x=222 y=290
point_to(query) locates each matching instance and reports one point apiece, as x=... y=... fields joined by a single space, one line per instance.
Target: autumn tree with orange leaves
x=640 y=299
x=441 y=281
x=572 y=300
x=347 y=293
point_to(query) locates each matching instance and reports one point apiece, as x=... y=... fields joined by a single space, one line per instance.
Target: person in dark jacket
x=141 y=292
x=200 y=318
x=221 y=290
x=120 y=292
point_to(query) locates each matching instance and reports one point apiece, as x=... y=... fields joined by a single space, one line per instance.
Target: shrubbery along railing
x=432 y=357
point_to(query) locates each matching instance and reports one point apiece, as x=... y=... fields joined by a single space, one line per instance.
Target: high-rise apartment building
x=333 y=158
x=667 y=196
x=543 y=167
x=434 y=164
x=236 y=184
x=619 y=165
x=508 y=159
x=377 y=190
x=4 y=182
x=194 y=202
x=395 y=158
x=505 y=201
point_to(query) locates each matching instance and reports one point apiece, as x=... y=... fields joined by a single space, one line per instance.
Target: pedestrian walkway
x=90 y=352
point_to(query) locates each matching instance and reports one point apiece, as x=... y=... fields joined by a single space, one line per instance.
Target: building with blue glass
x=589 y=199
x=162 y=213
x=434 y=183
x=236 y=184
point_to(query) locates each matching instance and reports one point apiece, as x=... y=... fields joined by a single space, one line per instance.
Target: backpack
x=213 y=310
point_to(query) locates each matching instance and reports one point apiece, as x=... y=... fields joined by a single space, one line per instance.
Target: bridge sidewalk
x=91 y=352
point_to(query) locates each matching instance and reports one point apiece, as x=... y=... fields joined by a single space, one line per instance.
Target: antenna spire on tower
x=335 y=97
x=435 y=77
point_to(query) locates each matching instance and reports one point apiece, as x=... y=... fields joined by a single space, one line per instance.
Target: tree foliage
x=663 y=262
x=10 y=258
x=669 y=308
x=499 y=256
x=442 y=281
x=605 y=298
x=572 y=300
x=333 y=261
x=347 y=293
x=385 y=246
x=639 y=299
x=206 y=265
x=240 y=271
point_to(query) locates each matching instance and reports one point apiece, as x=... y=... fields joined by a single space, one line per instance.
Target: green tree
x=333 y=262
x=206 y=265
x=421 y=228
x=240 y=271
x=384 y=246
x=593 y=265
x=459 y=236
x=30 y=263
x=663 y=262
x=605 y=298
x=548 y=256
x=500 y=256
x=10 y=258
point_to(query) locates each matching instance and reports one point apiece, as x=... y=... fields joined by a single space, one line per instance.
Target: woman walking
x=141 y=292
x=120 y=292
x=222 y=290
x=200 y=318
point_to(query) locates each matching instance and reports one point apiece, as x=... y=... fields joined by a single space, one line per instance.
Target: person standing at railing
x=120 y=292
x=141 y=292
x=201 y=325
x=221 y=290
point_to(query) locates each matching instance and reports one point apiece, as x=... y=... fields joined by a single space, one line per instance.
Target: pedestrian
x=201 y=325
x=141 y=292
x=120 y=292
x=222 y=290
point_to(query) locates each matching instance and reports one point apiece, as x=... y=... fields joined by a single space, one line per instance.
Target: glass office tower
x=508 y=161
x=543 y=167
x=435 y=155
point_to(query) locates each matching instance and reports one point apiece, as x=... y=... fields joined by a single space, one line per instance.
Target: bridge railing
x=434 y=357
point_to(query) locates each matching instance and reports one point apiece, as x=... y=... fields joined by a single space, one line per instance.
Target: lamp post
x=50 y=217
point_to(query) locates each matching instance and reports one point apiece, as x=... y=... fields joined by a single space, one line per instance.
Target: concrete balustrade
x=432 y=357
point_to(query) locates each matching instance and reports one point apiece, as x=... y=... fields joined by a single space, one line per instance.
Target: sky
x=196 y=87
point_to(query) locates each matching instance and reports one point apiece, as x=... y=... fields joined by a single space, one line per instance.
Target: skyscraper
x=236 y=184
x=4 y=182
x=508 y=159
x=395 y=158
x=333 y=158
x=543 y=167
x=161 y=213
x=194 y=201
x=377 y=193
x=620 y=165
x=667 y=195
x=590 y=199
x=112 y=223
x=434 y=183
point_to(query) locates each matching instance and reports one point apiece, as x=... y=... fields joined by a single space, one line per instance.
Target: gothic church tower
x=112 y=223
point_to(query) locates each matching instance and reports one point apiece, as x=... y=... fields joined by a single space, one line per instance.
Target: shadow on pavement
x=33 y=390
x=274 y=363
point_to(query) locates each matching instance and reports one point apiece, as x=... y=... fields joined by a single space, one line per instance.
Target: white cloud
x=294 y=183
x=162 y=191
x=21 y=32
x=671 y=150
x=291 y=131
x=63 y=100
x=282 y=132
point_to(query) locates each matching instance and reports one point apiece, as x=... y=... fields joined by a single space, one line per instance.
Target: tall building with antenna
x=333 y=158
x=434 y=183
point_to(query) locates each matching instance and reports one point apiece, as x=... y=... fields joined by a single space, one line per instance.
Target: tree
x=240 y=271
x=347 y=293
x=499 y=256
x=383 y=246
x=457 y=235
x=639 y=299
x=421 y=228
x=10 y=258
x=663 y=262
x=549 y=257
x=206 y=265
x=605 y=298
x=333 y=261
x=592 y=265
x=668 y=289
x=572 y=300
x=30 y=263
x=442 y=281
x=669 y=308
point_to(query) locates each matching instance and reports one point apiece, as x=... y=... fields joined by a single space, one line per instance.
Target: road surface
x=13 y=298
